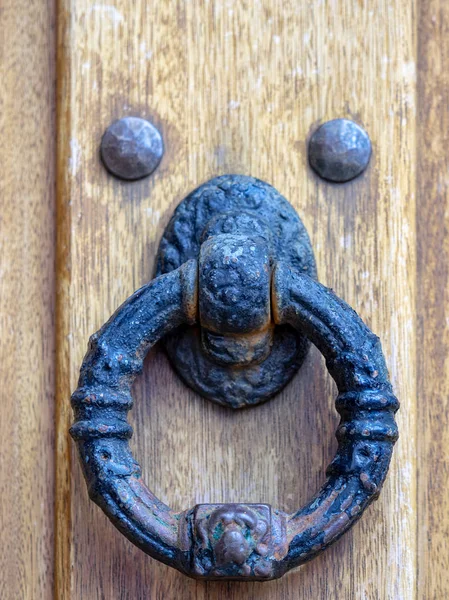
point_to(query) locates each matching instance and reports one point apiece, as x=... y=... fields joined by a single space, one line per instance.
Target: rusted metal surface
x=236 y=356
x=339 y=150
x=234 y=541
x=131 y=148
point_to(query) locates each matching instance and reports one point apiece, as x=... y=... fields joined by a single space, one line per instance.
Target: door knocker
x=237 y=302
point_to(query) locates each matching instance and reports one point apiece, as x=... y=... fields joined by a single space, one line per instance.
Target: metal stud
x=339 y=150
x=131 y=148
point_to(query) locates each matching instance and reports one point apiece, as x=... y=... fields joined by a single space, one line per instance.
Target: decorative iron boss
x=236 y=299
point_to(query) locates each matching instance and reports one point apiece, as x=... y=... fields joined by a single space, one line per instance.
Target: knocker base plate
x=236 y=385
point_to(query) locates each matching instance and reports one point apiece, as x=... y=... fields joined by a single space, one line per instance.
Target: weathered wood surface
x=27 y=176
x=237 y=87
x=234 y=87
x=432 y=300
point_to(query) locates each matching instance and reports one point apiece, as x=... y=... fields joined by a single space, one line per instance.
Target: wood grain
x=238 y=87
x=432 y=304
x=27 y=153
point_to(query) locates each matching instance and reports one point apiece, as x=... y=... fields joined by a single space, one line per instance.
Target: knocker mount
x=237 y=227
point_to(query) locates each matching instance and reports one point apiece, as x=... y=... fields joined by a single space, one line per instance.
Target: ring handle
x=234 y=541
x=367 y=430
x=101 y=403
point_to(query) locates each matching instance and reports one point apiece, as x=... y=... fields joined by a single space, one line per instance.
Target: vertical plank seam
x=63 y=534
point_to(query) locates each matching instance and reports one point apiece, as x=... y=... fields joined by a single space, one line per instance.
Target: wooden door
x=234 y=87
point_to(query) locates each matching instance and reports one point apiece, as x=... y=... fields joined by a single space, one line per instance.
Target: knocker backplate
x=236 y=385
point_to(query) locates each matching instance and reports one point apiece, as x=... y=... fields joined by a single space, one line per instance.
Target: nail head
x=339 y=150
x=131 y=148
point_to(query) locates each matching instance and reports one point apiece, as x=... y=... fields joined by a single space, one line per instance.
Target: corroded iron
x=131 y=148
x=234 y=541
x=237 y=227
x=339 y=150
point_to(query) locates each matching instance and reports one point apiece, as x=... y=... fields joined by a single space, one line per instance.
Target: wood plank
x=432 y=307
x=26 y=298
x=238 y=87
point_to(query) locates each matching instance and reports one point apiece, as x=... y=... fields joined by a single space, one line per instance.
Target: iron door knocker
x=236 y=299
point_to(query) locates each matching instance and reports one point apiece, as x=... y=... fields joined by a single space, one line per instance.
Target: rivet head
x=131 y=148
x=339 y=150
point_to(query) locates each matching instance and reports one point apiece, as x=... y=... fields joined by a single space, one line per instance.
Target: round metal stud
x=339 y=150
x=131 y=148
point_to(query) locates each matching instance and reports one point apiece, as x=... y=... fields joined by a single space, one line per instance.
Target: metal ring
x=234 y=541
